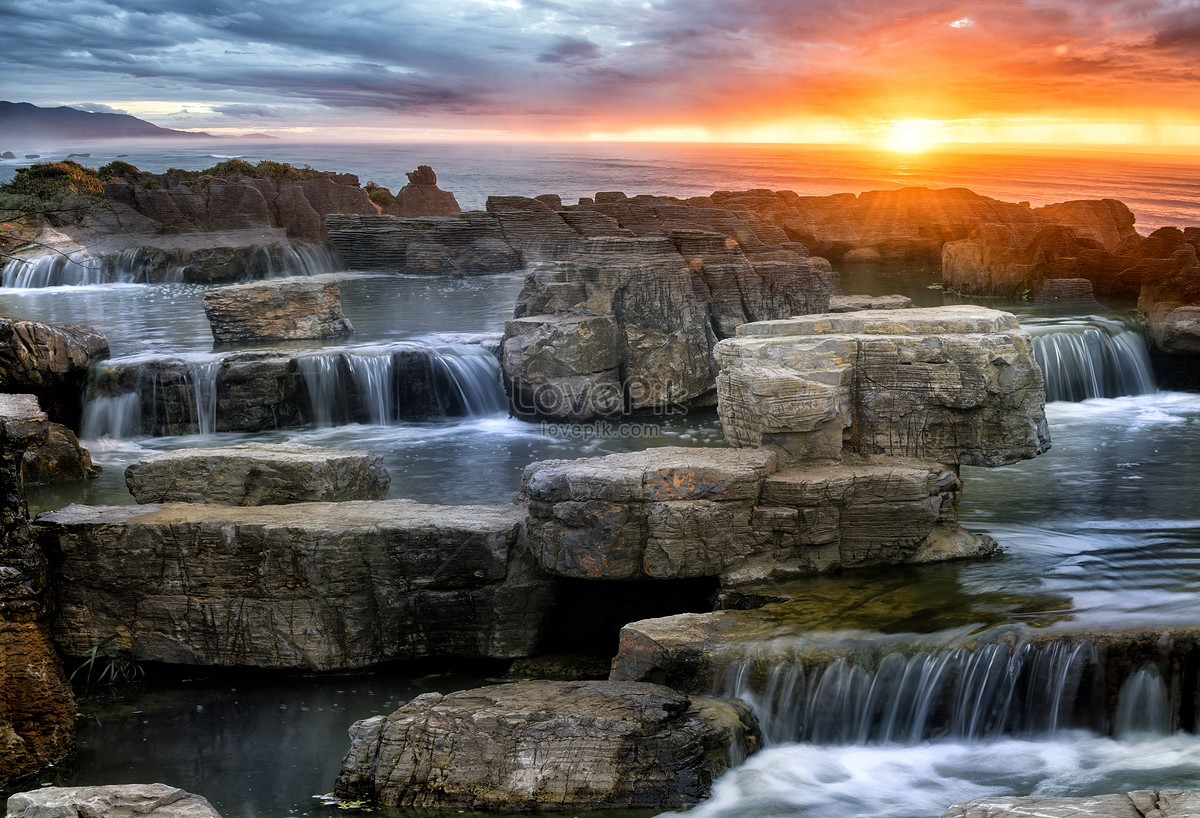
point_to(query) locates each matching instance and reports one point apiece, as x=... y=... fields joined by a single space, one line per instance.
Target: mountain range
x=24 y=124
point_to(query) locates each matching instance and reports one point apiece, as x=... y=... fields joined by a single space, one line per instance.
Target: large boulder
x=257 y=474
x=276 y=311
x=629 y=324
x=59 y=458
x=320 y=586
x=111 y=801
x=548 y=746
x=1161 y=804
x=677 y=513
x=50 y=362
x=37 y=709
x=955 y=385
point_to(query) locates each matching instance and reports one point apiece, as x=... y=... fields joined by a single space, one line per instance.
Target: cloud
x=96 y=108
x=570 y=49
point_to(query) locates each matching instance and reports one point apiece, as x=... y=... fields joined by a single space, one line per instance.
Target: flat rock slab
x=256 y=474
x=112 y=801
x=1137 y=804
x=855 y=303
x=320 y=586
x=955 y=385
x=673 y=512
x=543 y=745
x=276 y=311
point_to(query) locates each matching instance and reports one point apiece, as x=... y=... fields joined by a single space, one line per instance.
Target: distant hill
x=24 y=124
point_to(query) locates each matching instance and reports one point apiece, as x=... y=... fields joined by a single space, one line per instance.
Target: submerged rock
x=1137 y=804
x=257 y=474
x=321 y=586
x=276 y=311
x=548 y=746
x=112 y=801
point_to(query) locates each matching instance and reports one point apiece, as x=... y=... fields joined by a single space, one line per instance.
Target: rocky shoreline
x=847 y=430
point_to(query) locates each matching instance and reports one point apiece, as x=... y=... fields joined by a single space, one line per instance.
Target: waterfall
x=993 y=691
x=1096 y=358
x=127 y=399
x=1143 y=706
x=147 y=265
x=407 y=381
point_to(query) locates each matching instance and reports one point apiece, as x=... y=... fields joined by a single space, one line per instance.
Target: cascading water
x=129 y=398
x=1092 y=358
x=992 y=692
x=142 y=265
x=403 y=382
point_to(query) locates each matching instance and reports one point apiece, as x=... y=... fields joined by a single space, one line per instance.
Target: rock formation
x=318 y=586
x=1160 y=804
x=50 y=362
x=112 y=801
x=629 y=324
x=422 y=197
x=37 y=709
x=547 y=746
x=60 y=458
x=256 y=474
x=674 y=513
x=955 y=385
x=276 y=311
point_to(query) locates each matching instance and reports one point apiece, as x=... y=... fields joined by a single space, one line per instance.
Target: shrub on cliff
x=54 y=181
x=379 y=195
x=118 y=170
x=265 y=169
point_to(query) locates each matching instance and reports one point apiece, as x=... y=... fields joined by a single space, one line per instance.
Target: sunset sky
x=899 y=73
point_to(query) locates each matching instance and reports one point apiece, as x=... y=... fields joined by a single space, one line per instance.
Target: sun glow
x=912 y=135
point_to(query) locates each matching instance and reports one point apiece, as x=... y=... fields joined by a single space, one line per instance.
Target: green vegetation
x=379 y=195
x=108 y=664
x=117 y=169
x=52 y=182
x=266 y=169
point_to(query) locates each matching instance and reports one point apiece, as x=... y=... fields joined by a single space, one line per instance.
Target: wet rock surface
x=276 y=311
x=37 y=708
x=50 y=362
x=1137 y=804
x=547 y=746
x=59 y=458
x=955 y=385
x=320 y=586
x=111 y=801
x=258 y=474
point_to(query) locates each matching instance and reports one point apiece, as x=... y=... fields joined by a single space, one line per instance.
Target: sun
x=912 y=135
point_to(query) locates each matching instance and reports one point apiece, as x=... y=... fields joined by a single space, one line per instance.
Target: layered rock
x=675 y=513
x=547 y=746
x=255 y=474
x=1136 y=804
x=320 y=586
x=629 y=324
x=422 y=196
x=858 y=303
x=112 y=801
x=59 y=458
x=1168 y=273
x=37 y=709
x=50 y=362
x=955 y=385
x=276 y=311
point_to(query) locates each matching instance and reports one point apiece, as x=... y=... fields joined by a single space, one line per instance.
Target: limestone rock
x=276 y=310
x=319 y=586
x=60 y=458
x=1161 y=804
x=1106 y=221
x=857 y=303
x=255 y=474
x=422 y=197
x=50 y=362
x=670 y=513
x=37 y=709
x=112 y=801
x=1070 y=292
x=955 y=385
x=1179 y=330
x=548 y=746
